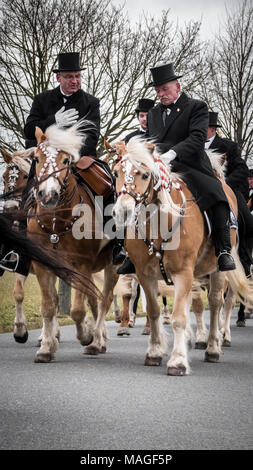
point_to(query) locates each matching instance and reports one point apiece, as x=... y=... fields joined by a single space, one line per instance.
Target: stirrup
x=9 y=258
x=228 y=264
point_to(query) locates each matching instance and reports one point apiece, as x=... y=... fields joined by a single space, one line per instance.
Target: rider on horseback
x=178 y=125
x=65 y=105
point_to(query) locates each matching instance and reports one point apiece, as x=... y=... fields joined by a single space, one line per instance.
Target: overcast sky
x=211 y=11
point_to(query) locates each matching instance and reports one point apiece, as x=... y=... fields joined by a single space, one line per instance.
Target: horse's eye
x=116 y=174
x=65 y=161
x=25 y=177
x=36 y=159
x=145 y=176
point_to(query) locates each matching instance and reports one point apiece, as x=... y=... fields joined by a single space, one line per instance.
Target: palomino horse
x=171 y=242
x=127 y=317
x=65 y=218
x=15 y=177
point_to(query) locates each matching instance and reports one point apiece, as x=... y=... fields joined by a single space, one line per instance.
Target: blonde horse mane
x=218 y=161
x=69 y=140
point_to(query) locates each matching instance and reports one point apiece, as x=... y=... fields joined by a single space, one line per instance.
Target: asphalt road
x=113 y=402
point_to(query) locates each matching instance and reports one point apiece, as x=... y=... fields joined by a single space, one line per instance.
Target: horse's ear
x=6 y=156
x=107 y=145
x=223 y=159
x=39 y=135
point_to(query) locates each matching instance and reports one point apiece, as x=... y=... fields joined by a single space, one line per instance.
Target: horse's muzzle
x=49 y=199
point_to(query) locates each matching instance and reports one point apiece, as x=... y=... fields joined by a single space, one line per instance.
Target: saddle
x=94 y=174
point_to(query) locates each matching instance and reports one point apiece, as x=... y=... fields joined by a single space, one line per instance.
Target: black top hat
x=68 y=62
x=163 y=74
x=144 y=105
x=213 y=119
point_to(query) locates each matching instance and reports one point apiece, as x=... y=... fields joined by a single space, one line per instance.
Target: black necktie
x=164 y=111
x=65 y=98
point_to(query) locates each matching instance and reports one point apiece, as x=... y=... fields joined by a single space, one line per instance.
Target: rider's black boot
x=127 y=267
x=118 y=252
x=221 y=237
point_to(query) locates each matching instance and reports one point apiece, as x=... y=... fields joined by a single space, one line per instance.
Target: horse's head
x=114 y=153
x=15 y=176
x=52 y=170
x=134 y=181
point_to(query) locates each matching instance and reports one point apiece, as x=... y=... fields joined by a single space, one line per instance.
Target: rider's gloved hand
x=168 y=156
x=66 y=118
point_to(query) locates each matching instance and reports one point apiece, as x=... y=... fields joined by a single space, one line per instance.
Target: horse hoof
x=178 y=371
x=166 y=321
x=21 y=339
x=226 y=343
x=117 y=316
x=200 y=345
x=131 y=324
x=146 y=331
x=241 y=323
x=153 y=361
x=91 y=350
x=123 y=330
x=211 y=357
x=86 y=342
x=43 y=358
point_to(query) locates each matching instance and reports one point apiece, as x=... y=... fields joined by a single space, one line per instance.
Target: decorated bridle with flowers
x=50 y=164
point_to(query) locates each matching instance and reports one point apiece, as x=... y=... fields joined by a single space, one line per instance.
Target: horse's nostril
x=40 y=194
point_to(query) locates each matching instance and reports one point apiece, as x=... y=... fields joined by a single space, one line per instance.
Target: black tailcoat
x=47 y=103
x=133 y=134
x=185 y=132
x=236 y=172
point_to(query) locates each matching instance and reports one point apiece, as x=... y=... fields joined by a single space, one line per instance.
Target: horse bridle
x=142 y=199
x=53 y=236
x=50 y=160
x=129 y=181
x=12 y=180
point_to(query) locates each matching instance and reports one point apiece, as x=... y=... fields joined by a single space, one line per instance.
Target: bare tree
x=228 y=86
x=118 y=56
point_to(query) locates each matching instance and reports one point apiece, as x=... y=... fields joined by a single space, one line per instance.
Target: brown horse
x=15 y=177
x=171 y=242
x=65 y=218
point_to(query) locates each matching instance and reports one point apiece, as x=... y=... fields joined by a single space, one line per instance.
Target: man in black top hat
x=144 y=105
x=236 y=176
x=236 y=170
x=65 y=104
x=178 y=125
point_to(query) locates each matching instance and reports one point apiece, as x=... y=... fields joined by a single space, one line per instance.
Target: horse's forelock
x=66 y=140
x=138 y=153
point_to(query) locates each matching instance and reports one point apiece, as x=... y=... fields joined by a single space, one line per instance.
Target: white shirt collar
x=64 y=94
x=209 y=141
